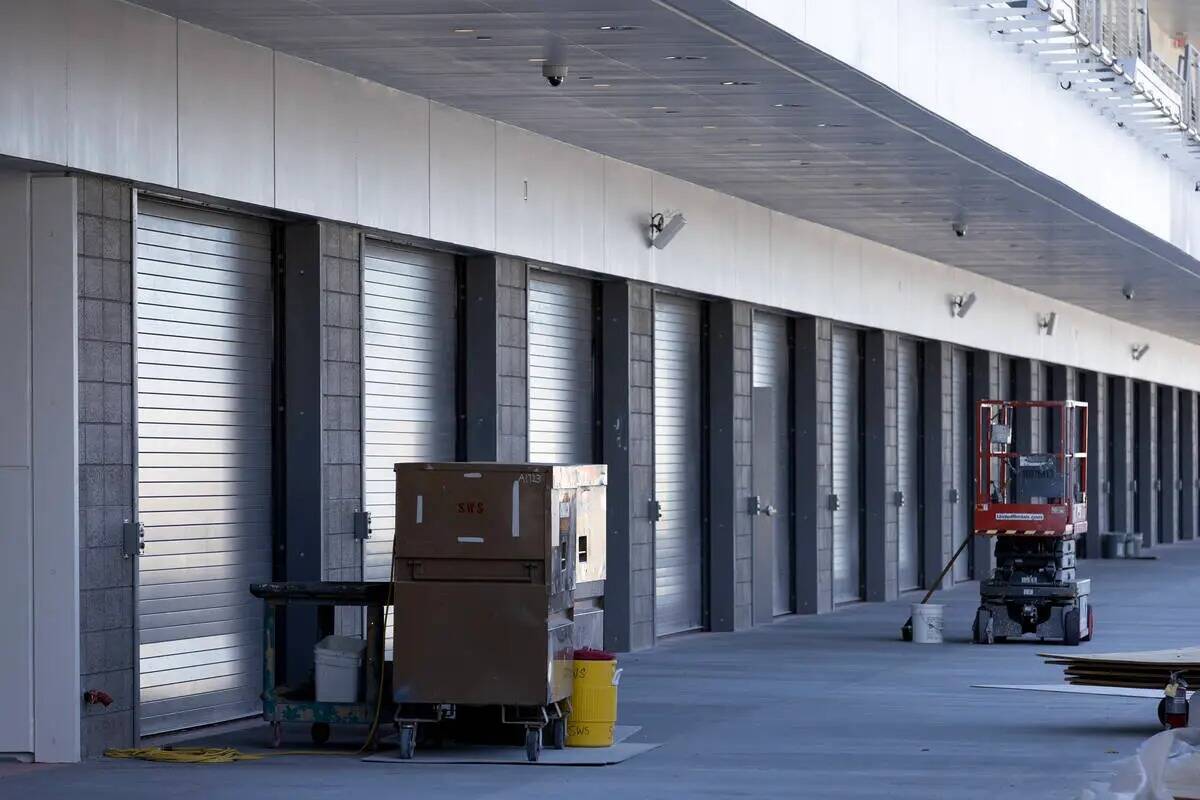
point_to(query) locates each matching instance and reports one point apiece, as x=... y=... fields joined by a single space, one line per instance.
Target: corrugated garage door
x=561 y=380
x=410 y=341
x=678 y=452
x=772 y=369
x=847 y=466
x=908 y=461
x=204 y=386
x=960 y=442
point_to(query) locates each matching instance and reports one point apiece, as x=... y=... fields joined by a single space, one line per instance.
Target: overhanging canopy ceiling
x=797 y=131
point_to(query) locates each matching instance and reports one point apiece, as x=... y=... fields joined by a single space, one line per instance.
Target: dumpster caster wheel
x=276 y=734
x=408 y=741
x=558 y=733
x=319 y=733
x=533 y=743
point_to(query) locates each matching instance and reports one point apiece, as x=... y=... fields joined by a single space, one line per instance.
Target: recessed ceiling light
x=738 y=83
x=755 y=144
x=620 y=27
x=601 y=85
x=822 y=125
x=464 y=30
x=788 y=105
x=537 y=61
x=709 y=127
x=685 y=58
x=659 y=108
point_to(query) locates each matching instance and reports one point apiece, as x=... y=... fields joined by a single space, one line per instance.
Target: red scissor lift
x=1035 y=505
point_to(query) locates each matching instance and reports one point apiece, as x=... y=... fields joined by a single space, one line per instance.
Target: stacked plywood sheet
x=1150 y=669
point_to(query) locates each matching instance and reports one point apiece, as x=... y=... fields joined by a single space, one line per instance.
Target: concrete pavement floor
x=833 y=706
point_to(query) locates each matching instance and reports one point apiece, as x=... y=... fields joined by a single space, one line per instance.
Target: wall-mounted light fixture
x=961 y=304
x=1048 y=322
x=665 y=228
x=1138 y=350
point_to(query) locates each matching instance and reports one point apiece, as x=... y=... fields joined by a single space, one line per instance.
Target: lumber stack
x=1150 y=669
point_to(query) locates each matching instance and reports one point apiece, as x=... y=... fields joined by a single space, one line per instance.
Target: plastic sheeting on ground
x=1167 y=766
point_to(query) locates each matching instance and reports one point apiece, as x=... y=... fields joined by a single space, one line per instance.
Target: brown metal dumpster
x=485 y=565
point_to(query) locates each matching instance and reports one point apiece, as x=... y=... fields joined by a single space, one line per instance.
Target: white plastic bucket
x=927 y=623
x=338 y=663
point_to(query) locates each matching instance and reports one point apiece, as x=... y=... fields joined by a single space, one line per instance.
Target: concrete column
x=814 y=477
x=615 y=374
x=1027 y=426
x=641 y=464
x=512 y=354
x=108 y=596
x=479 y=360
x=985 y=376
x=1094 y=388
x=341 y=419
x=880 y=560
x=1146 y=444
x=16 y=469
x=937 y=466
x=302 y=503
x=719 y=425
x=55 y=468
x=1168 y=474
x=1124 y=478
x=1187 y=464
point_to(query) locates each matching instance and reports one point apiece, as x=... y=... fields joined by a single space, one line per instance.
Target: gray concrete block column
x=107 y=602
x=814 y=477
x=1146 y=443
x=1168 y=473
x=1094 y=390
x=616 y=452
x=1124 y=477
x=985 y=385
x=1187 y=464
x=881 y=555
x=937 y=465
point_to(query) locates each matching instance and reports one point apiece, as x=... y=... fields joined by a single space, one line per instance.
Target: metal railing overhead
x=1101 y=50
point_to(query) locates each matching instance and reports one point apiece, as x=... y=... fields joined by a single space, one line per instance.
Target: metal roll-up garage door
x=772 y=369
x=561 y=378
x=204 y=397
x=960 y=460
x=847 y=465
x=410 y=342
x=678 y=453
x=908 y=461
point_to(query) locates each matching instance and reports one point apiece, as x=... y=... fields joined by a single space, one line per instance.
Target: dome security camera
x=554 y=74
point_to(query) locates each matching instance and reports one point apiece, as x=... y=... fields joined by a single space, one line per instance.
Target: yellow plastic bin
x=594 y=699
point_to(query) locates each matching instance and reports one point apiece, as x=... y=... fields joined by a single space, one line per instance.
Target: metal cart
x=298 y=703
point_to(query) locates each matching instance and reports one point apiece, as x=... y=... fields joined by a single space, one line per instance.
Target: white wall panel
x=462 y=177
x=16 y=520
x=121 y=91
x=752 y=245
x=226 y=117
x=393 y=159
x=701 y=256
x=579 y=211
x=627 y=203
x=525 y=220
x=33 y=80
x=316 y=170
